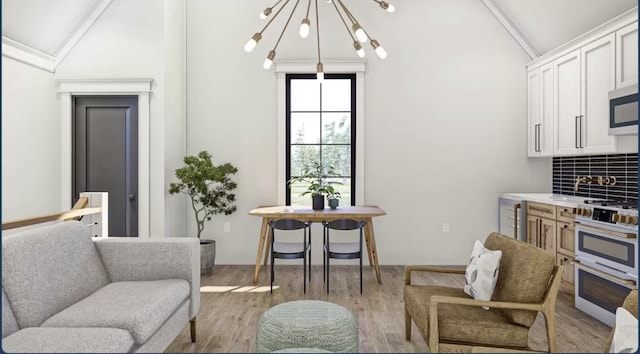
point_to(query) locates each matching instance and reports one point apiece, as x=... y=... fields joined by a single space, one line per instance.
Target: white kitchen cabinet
x=583 y=79
x=540 y=111
x=566 y=104
x=597 y=79
x=627 y=56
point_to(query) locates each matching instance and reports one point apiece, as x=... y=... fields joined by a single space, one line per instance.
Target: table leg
x=374 y=251
x=267 y=246
x=263 y=235
x=367 y=242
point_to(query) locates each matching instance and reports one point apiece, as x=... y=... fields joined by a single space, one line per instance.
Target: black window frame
x=341 y=76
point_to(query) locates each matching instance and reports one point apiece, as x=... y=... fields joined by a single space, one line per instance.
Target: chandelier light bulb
x=389 y=7
x=320 y=73
x=360 y=34
x=304 y=28
x=359 y=49
x=267 y=62
x=251 y=44
x=378 y=49
x=264 y=14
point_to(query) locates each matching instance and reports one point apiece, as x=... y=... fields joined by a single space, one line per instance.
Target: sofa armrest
x=129 y=259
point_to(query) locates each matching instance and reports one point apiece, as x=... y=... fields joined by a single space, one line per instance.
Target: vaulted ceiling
x=47 y=25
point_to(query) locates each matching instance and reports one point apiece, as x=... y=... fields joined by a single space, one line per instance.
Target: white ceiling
x=45 y=24
x=549 y=23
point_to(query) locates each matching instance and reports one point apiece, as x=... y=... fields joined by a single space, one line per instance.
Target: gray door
x=105 y=148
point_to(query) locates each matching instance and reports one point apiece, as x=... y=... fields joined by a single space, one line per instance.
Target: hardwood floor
x=231 y=306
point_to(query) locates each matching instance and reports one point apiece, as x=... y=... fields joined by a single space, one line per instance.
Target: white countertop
x=549 y=198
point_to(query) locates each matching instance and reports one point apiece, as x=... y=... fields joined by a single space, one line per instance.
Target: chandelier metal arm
x=274 y=16
x=343 y=21
x=318 y=30
x=286 y=24
x=308 y=8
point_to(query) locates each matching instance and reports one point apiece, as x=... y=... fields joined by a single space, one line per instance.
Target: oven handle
x=613 y=278
x=606 y=232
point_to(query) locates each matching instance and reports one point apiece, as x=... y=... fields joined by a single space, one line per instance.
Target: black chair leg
x=360 y=273
x=327 y=272
x=304 y=273
x=272 y=274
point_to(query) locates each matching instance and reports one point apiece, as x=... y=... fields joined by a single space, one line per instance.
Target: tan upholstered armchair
x=450 y=320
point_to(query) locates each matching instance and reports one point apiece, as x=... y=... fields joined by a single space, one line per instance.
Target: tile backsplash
x=624 y=167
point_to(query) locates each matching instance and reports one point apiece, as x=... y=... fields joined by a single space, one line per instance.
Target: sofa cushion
x=525 y=271
x=68 y=340
x=138 y=307
x=48 y=269
x=9 y=323
x=463 y=324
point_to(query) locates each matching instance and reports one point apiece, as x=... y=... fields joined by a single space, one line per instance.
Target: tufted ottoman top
x=308 y=324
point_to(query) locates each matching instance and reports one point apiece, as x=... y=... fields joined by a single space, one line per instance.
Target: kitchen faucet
x=579 y=179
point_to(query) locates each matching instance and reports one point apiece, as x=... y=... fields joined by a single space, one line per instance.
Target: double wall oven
x=606 y=256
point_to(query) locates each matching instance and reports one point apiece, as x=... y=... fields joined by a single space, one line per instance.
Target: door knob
x=132 y=196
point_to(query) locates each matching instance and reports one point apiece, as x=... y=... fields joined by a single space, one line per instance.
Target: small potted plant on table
x=316 y=176
x=209 y=188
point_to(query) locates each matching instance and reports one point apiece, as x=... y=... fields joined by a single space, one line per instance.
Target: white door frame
x=107 y=87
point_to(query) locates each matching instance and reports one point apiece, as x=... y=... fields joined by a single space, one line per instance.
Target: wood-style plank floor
x=231 y=306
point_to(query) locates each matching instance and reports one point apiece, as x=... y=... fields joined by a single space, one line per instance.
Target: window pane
x=338 y=157
x=344 y=189
x=301 y=156
x=336 y=95
x=336 y=128
x=305 y=95
x=305 y=128
x=296 y=198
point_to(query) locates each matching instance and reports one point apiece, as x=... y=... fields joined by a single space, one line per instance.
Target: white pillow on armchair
x=625 y=335
x=482 y=272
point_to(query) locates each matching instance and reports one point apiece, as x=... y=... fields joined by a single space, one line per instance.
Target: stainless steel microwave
x=623 y=111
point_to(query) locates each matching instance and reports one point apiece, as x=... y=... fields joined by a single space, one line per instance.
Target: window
x=321 y=127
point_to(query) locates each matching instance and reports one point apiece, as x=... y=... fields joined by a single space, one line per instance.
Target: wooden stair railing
x=78 y=210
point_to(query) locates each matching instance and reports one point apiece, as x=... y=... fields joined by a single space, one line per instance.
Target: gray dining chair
x=291 y=250
x=341 y=250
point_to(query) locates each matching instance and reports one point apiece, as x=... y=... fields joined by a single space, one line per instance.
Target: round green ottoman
x=308 y=324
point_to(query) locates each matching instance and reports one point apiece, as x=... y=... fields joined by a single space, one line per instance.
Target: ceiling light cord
x=272 y=53
x=253 y=42
x=319 y=67
x=356 y=44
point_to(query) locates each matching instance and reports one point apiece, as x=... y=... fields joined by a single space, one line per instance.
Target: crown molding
x=80 y=30
x=25 y=54
x=511 y=28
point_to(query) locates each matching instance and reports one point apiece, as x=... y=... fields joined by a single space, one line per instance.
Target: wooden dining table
x=360 y=213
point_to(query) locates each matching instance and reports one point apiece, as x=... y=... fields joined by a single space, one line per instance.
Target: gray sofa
x=63 y=291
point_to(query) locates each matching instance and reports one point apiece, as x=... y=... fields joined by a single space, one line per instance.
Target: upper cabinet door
x=598 y=78
x=545 y=135
x=533 y=113
x=627 y=56
x=566 y=71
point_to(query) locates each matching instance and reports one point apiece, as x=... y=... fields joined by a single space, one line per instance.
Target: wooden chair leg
x=192 y=328
x=407 y=323
x=551 y=331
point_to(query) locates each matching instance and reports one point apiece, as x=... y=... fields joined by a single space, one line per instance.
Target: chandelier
x=356 y=31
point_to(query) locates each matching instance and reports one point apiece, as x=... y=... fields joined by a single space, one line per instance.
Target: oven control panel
x=604 y=215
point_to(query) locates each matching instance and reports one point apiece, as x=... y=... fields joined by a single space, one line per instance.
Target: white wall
x=175 y=211
x=30 y=142
x=444 y=121
x=131 y=39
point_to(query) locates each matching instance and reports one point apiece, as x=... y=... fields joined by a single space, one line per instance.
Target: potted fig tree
x=316 y=176
x=209 y=188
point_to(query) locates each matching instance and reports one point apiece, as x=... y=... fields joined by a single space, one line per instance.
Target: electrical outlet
x=445 y=227
x=227 y=227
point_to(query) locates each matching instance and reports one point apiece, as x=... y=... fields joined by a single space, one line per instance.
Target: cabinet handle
x=515 y=220
x=580 y=125
x=542 y=210
x=576 y=131
x=539 y=133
